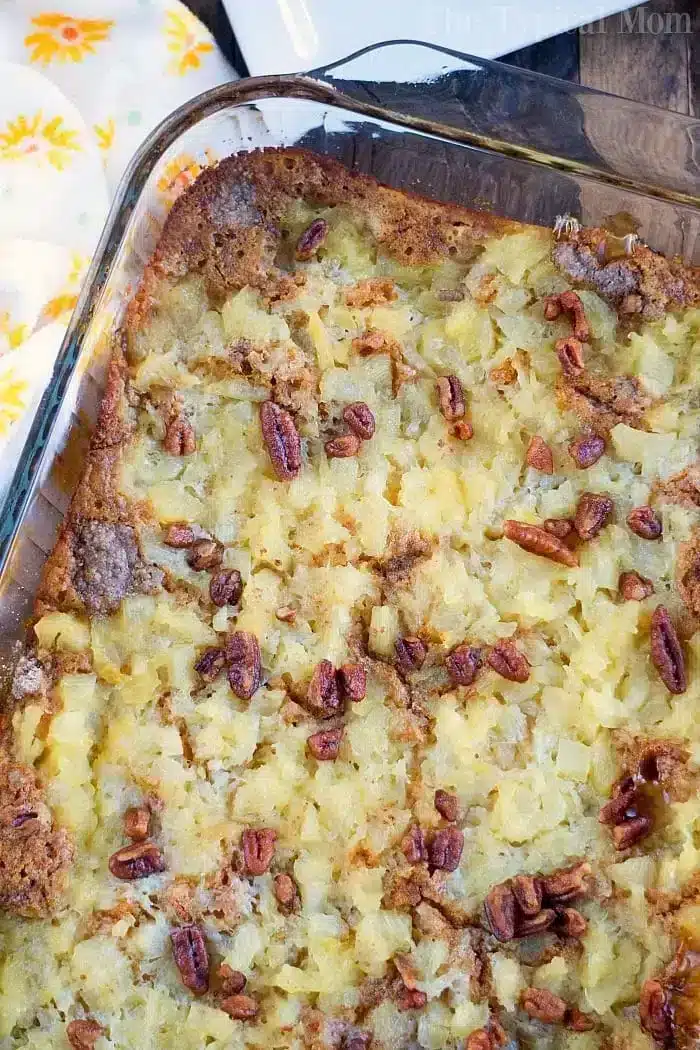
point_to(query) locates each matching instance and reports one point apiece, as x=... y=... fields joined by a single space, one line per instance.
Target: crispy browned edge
x=226 y=227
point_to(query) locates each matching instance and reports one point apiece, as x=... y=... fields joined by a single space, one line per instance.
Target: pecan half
x=137 y=861
x=630 y=832
x=508 y=661
x=571 y=923
x=179 y=437
x=587 y=450
x=243 y=660
x=136 y=823
x=83 y=1034
x=360 y=418
x=645 y=522
x=570 y=303
x=179 y=535
x=325 y=746
x=593 y=512
x=463 y=430
x=539 y=455
x=258 y=849
x=622 y=806
x=655 y=1011
x=413 y=845
x=536 y=923
x=286 y=893
x=633 y=587
x=323 y=697
x=352 y=681
x=344 y=447
x=240 y=1007
x=500 y=912
x=450 y=397
x=410 y=654
x=230 y=981
x=463 y=664
x=205 y=554
x=446 y=804
x=559 y=527
x=567 y=883
x=570 y=354
x=210 y=664
x=445 y=849
x=191 y=958
x=311 y=239
x=528 y=894
x=536 y=540
x=479 y=1039
x=577 y=1021
x=226 y=588
x=543 y=1005
x=281 y=440
x=410 y=998
x=666 y=652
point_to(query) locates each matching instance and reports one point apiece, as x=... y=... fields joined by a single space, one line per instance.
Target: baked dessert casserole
x=361 y=705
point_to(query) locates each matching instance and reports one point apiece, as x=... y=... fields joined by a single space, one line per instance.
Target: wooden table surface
x=650 y=53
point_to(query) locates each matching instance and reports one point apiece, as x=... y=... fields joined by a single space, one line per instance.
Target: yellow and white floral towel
x=81 y=85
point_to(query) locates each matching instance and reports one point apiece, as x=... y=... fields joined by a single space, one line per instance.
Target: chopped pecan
x=559 y=527
x=205 y=554
x=630 y=832
x=445 y=849
x=191 y=958
x=311 y=240
x=83 y=1034
x=570 y=303
x=179 y=535
x=577 y=1021
x=504 y=374
x=243 y=660
x=179 y=437
x=593 y=512
x=343 y=447
x=567 y=883
x=137 y=861
x=410 y=998
x=352 y=681
x=655 y=1011
x=666 y=652
x=500 y=912
x=360 y=418
x=240 y=1007
x=446 y=804
x=479 y=1039
x=645 y=522
x=450 y=397
x=621 y=807
x=633 y=587
x=528 y=894
x=323 y=696
x=543 y=1005
x=281 y=440
x=410 y=654
x=536 y=923
x=373 y=291
x=286 y=893
x=355 y=1039
x=570 y=354
x=536 y=540
x=463 y=664
x=509 y=662
x=413 y=845
x=571 y=923
x=226 y=588
x=539 y=455
x=231 y=982
x=325 y=746
x=258 y=849
x=463 y=430
x=210 y=664
x=136 y=823
x=587 y=450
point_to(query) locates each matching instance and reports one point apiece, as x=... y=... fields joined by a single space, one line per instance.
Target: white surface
x=284 y=36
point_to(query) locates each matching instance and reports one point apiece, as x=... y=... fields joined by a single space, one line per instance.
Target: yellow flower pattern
x=11 y=334
x=178 y=174
x=187 y=40
x=104 y=133
x=62 y=305
x=30 y=137
x=13 y=400
x=62 y=38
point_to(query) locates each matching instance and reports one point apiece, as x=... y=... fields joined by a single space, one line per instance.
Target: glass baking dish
x=458 y=128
